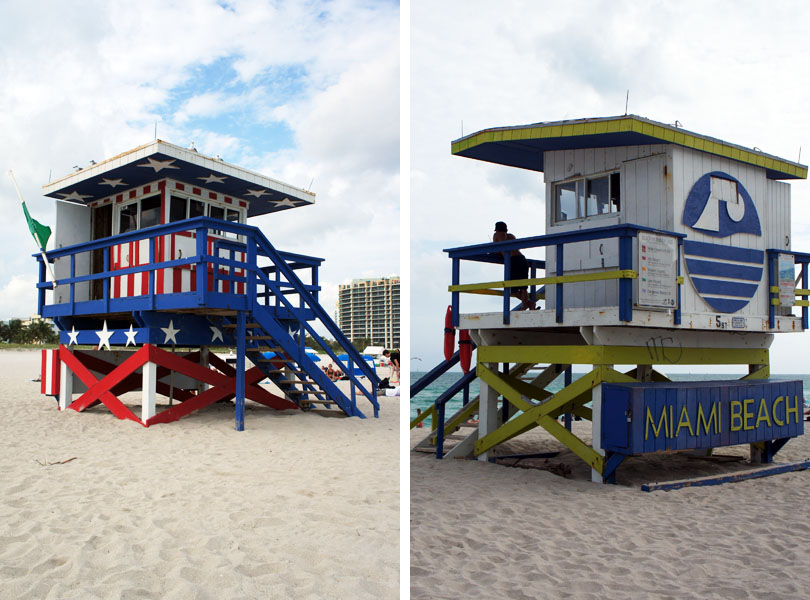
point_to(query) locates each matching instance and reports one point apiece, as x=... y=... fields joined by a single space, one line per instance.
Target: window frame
x=580 y=199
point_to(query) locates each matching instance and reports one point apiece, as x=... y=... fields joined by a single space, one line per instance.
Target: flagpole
x=36 y=237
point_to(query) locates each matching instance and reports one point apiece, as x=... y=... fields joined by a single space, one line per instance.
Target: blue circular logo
x=725 y=273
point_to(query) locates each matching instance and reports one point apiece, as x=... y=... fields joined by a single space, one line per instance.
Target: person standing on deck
x=518 y=266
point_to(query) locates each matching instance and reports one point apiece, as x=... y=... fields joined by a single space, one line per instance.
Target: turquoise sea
x=427 y=396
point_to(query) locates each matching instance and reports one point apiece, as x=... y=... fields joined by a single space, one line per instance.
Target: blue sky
x=297 y=91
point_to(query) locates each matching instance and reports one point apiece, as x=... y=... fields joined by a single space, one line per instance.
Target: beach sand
x=481 y=530
x=299 y=505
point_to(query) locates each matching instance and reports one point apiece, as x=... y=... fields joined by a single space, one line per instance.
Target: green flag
x=40 y=232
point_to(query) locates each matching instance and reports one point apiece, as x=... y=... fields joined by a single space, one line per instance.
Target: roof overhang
x=523 y=145
x=159 y=159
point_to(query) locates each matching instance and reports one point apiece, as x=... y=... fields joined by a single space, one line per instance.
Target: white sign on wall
x=657 y=270
x=787 y=283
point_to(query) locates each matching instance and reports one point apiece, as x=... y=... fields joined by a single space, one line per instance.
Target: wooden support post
x=487 y=411
x=567 y=379
x=65 y=386
x=148 y=391
x=596 y=424
x=240 y=371
x=204 y=362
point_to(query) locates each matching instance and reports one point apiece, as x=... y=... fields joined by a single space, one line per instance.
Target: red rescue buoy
x=449 y=334
x=465 y=350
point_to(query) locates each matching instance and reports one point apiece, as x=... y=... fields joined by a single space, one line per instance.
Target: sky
x=731 y=70
x=305 y=92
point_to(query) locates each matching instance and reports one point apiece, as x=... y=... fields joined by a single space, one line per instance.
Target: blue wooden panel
x=617 y=427
x=699 y=415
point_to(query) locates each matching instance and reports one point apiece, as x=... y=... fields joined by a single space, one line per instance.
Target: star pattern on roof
x=284 y=203
x=257 y=193
x=159 y=165
x=73 y=335
x=113 y=183
x=213 y=178
x=75 y=196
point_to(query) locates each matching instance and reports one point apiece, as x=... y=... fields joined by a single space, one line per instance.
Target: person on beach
x=518 y=266
x=395 y=364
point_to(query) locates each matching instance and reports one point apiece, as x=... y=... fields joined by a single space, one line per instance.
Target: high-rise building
x=369 y=308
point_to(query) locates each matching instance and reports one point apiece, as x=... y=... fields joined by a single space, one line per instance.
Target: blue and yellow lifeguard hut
x=662 y=247
x=155 y=264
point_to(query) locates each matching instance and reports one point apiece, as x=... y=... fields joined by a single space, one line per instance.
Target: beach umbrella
x=344 y=358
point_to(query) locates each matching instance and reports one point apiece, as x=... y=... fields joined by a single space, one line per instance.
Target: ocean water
x=426 y=397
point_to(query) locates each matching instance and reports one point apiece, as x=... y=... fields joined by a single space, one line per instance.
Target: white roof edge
x=179 y=153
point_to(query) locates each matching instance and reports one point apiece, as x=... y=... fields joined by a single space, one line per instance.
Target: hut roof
x=523 y=145
x=160 y=159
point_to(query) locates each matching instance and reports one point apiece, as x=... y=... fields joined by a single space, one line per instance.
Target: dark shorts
x=519 y=269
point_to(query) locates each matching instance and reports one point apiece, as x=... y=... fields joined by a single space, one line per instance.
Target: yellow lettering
x=671 y=422
x=762 y=414
x=736 y=415
x=776 y=402
x=794 y=410
x=747 y=414
x=714 y=415
x=681 y=422
x=656 y=430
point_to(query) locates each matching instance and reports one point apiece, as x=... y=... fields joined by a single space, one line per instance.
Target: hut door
x=102 y=227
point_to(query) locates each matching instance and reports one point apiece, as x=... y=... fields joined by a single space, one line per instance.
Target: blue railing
x=261 y=291
x=494 y=252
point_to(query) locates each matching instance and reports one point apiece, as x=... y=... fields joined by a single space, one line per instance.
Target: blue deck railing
x=273 y=289
x=494 y=252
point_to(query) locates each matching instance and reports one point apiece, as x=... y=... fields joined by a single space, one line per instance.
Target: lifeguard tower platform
x=662 y=247
x=155 y=264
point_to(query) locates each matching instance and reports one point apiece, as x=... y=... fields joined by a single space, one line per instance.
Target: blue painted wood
x=558 y=292
x=698 y=415
x=454 y=297
x=434 y=374
x=625 y=285
x=730 y=478
x=507 y=275
x=440 y=410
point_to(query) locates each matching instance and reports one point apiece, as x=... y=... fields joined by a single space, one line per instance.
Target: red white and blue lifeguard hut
x=155 y=264
x=662 y=247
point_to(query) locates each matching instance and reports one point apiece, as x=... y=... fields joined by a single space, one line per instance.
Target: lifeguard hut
x=155 y=264
x=662 y=247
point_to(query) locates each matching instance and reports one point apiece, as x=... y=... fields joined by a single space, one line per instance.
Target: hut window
x=177 y=209
x=150 y=212
x=217 y=212
x=196 y=209
x=587 y=197
x=128 y=219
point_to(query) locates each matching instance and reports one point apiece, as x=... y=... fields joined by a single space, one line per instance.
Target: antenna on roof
x=800 y=155
x=626 y=102
x=310 y=184
x=155 y=129
x=462 y=127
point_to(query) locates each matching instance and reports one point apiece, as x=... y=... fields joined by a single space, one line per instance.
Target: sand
x=296 y=506
x=481 y=530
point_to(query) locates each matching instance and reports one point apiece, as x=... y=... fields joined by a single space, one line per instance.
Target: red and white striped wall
x=169 y=247
x=49 y=377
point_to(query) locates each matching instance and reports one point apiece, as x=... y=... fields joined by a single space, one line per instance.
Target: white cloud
x=90 y=80
x=724 y=69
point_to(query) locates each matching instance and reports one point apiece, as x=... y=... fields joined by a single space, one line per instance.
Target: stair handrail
x=309 y=329
x=264 y=244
